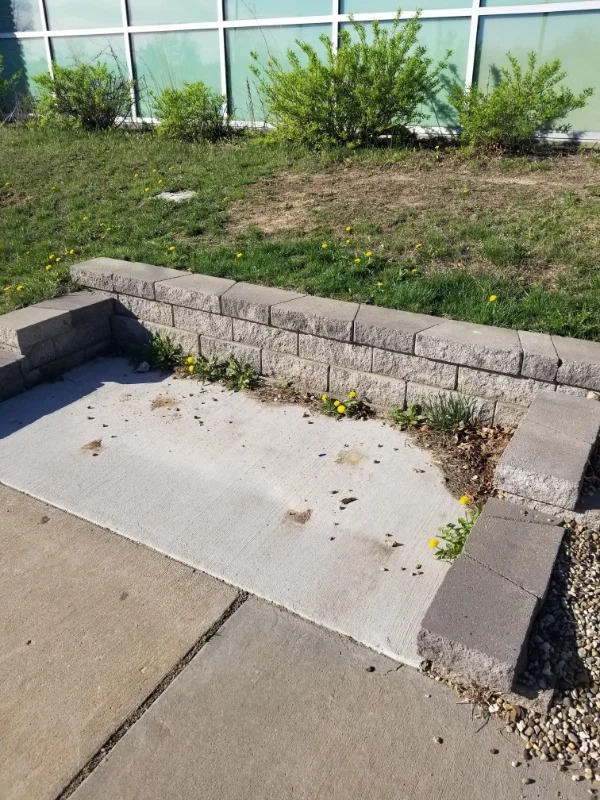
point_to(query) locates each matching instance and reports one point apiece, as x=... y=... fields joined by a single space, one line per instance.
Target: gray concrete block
x=300 y=371
x=11 y=376
x=540 y=360
x=26 y=327
x=203 y=322
x=502 y=509
x=332 y=319
x=42 y=352
x=127 y=330
x=96 y=350
x=330 y=351
x=573 y=416
x=390 y=329
x=414 y=368
x=53 y=369
x=188 y=341
x=251 y=302
x=545 y=464
x=131 y=277
x=97 y=273
x=221 y=348
x=579 y=362
x=143 y=309
x=194 y=291
x=510 y=389
x=418 y=394
x=477 y=627
x=481 y=346
x=257 y=335
x=522 y=552
x=83 y=335
x=82 y=306
x=378 y=390
x=507 y=415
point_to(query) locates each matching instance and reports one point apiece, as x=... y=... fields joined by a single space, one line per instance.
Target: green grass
x=526 y=230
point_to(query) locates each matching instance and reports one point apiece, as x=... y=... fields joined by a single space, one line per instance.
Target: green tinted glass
x=378 y=6
x=67 y=50
x=170 y=59
x=19 y=15
x=65 y=15
x=174 y=12
x=439 y=36
x=244 y=99
x=570 y=36
x=25 y=56
x=270 y=9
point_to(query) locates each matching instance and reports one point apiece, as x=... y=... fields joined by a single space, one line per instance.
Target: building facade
x=166 y=42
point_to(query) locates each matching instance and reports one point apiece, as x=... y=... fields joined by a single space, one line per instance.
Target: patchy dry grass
x=444 y=232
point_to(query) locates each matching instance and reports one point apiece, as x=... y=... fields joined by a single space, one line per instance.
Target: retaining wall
x=391 y=357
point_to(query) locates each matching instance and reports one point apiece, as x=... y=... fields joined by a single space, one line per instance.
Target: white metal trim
x=222 y=51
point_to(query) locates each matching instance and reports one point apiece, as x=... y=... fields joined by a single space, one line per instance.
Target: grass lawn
x=444 y=232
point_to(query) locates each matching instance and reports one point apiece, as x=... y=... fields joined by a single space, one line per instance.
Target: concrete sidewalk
x=275 y=708
x=90 y=623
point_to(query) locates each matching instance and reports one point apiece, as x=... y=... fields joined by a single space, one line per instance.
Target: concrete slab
x=276 y=709
x=90 y=624
x=245 y=491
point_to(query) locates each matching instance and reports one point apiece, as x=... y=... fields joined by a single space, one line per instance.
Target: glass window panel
x=174 y=12
x=439 y=36
x=379 y=6
x=271 y=9
x=66 y=15
x=25 y=56
x=19 y=15
x=571 y=36
x=67 y=50
x=244 y=99
x=171 y=59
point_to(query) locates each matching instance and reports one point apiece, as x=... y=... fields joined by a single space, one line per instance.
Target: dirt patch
x=300 y=517
x=163 y=401
x=94 y=446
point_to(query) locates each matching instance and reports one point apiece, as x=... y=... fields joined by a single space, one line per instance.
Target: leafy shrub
x=161 y=352
x=408 y=419
x=447 y=413
x=359 y=92
x=233 y=374
x=454 y=535
x=88 y=95
x=192 y=113
x=7 y=86
x=524 y=102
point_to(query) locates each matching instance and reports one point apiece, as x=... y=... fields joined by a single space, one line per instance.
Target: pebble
x=438 y=740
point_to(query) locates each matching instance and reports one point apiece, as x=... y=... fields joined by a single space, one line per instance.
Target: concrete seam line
x=158 y=690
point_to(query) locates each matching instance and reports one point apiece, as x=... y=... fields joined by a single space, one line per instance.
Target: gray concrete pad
x=274 y=708
x=90 y=624
x=249 y=492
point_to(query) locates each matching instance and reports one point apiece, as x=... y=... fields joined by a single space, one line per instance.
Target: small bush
x=90 y=96
x=525 y=102
x=161 y=352
x=408 y=419
x=7 y=87
x=192 y=113
x=357 y=93
x=447 y=413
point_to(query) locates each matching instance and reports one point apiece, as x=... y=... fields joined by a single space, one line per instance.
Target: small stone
x=526 y=781
x=438 y=740
x=370 y=669
x=143 y=367
x=515 y=763
x=494 y=751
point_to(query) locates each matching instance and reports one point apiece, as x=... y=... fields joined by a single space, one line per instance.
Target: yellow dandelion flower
x=8 y=183
x=85 y=219
x=336 y=403
x=324 y=246
x=239 y=255
x=492 y=298
x=147 y=189
x=433 y=543
x=324 y=397
x=348 y=228
x=48 y=266
x=437 y=147
x=71 y=252
x=58 y=259
x=352 y=394
x=51 y=257
x=347 y=241
x=191 y=368
x=190 y=359
x=109 y=229
x=379 y=284
x=341 y=409
x=357 y=260
x=137 y=175
x=7 y=288
x=154 y=170
x=464 y=500
x=418 y=246
x=160 y=181
x=20 y=288
x=171 y=248
x=413 y=271
x=369 y=253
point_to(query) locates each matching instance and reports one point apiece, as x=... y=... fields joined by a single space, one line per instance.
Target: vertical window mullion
x=129 y=56
x=472 y=48
x=44 y=19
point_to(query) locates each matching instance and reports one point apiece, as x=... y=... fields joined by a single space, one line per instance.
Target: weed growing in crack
x=351 y=406
x=452 y=537
x=162 y=352
x=230 y=372
x=408 y=419
x=447 y=413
